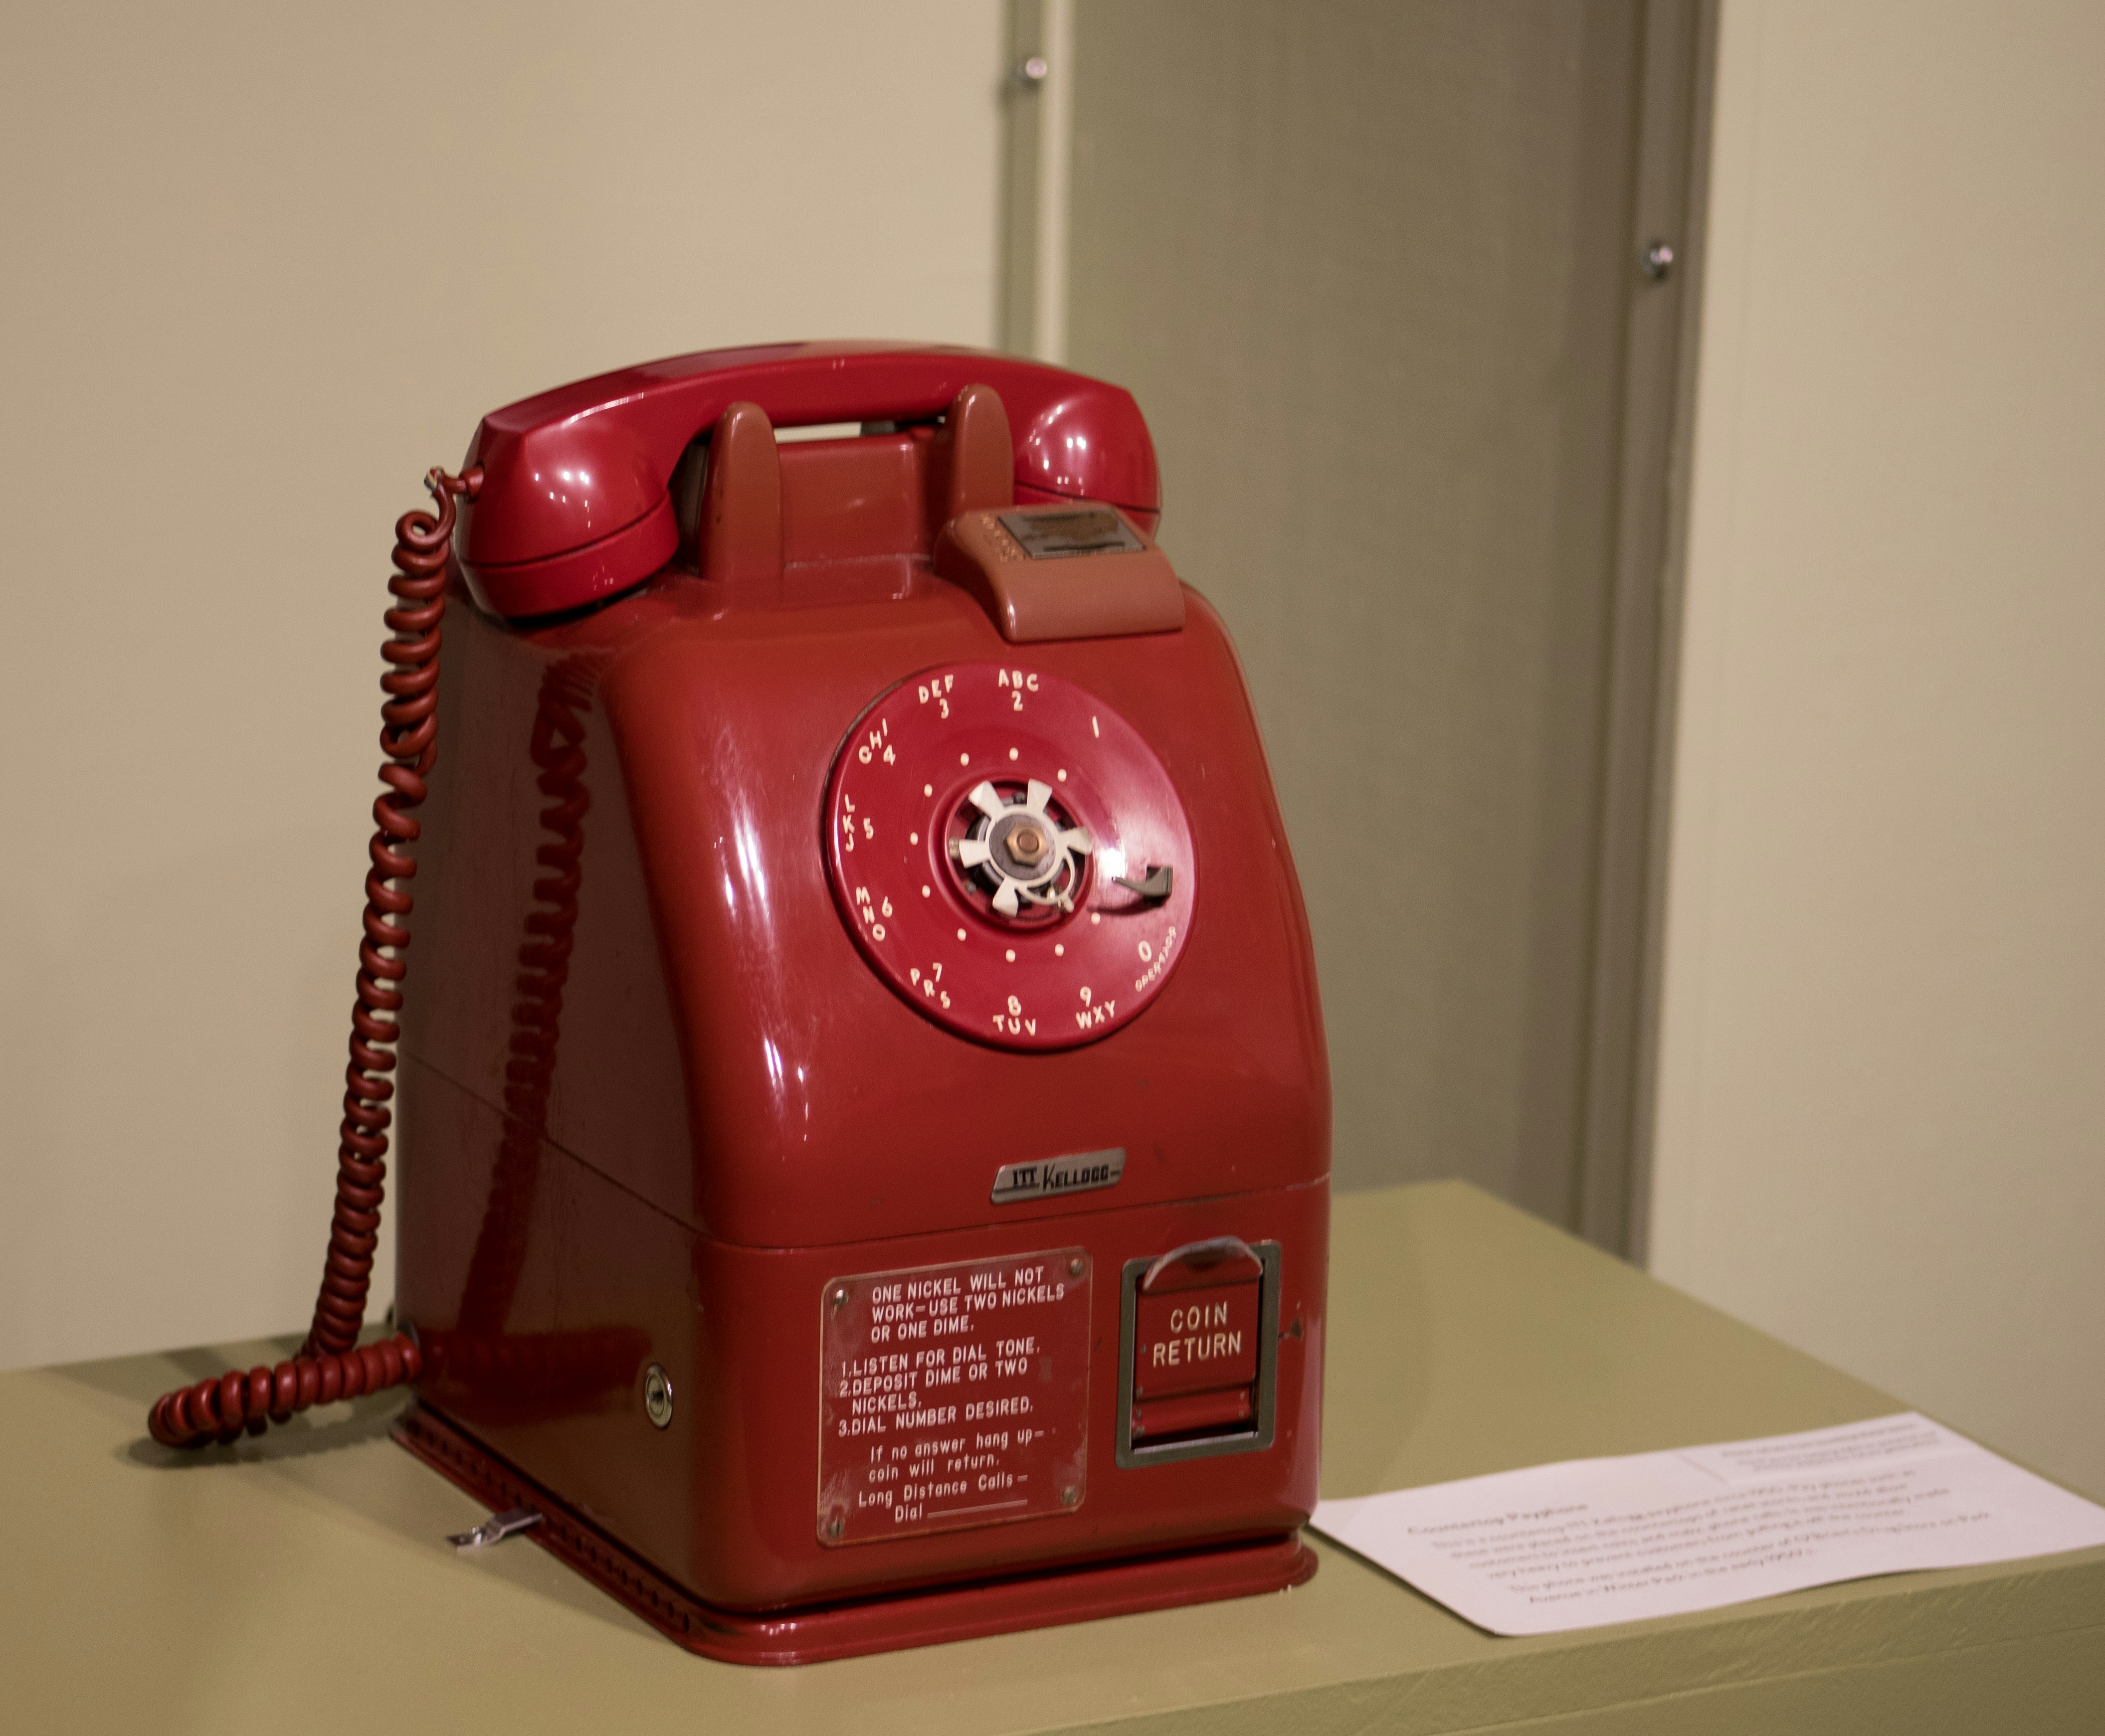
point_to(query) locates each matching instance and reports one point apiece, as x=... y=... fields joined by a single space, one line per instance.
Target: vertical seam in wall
x=1016 y=282
x=1586 y=1158
x=1668 y=576
x=1712 y=510
x=1055 y=173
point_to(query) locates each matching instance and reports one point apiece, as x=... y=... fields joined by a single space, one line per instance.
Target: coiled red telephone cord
x=331 y=1364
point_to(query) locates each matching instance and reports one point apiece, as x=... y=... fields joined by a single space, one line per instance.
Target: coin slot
x=1058 y=534
x=1198 y=1352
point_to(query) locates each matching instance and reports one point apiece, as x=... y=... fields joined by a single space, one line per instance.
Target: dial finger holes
x=1012 y=833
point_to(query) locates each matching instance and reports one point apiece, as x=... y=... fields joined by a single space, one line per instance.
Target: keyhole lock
x=658 y=1396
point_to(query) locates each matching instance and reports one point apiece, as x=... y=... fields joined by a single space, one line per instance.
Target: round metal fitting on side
x=658 y=1396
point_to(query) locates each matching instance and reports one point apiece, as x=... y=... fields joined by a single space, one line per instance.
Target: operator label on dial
x=1010 y=855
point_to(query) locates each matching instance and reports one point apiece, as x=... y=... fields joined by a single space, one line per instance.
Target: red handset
x=574 y=506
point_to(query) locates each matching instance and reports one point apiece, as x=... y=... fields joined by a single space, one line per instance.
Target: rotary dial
x=1010 y=855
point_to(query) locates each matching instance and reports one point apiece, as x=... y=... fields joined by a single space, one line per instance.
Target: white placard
x=1590 y=1542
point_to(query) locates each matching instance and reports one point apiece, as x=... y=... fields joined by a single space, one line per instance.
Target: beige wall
x=1881 y=1113
x=263 y=267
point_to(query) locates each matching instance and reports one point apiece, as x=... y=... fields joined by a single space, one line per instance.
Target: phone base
x=891 y=1622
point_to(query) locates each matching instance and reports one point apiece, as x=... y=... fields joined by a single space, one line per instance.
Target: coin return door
x=1198 y=1350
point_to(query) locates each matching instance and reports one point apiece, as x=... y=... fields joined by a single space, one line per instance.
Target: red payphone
x=863 y=1109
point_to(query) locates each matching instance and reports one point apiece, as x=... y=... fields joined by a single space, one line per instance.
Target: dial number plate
x=996 y=840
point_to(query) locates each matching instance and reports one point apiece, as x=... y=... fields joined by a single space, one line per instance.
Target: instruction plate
x=952 y=1396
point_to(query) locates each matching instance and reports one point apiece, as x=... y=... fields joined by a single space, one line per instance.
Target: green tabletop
x=301 y=1581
